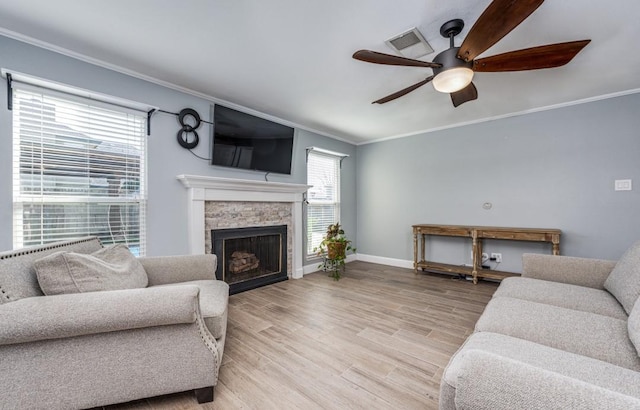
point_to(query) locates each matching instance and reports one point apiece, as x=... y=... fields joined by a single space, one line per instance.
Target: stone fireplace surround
x=250 y=203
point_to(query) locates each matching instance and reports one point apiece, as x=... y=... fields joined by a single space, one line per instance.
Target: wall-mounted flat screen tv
x=241 y=140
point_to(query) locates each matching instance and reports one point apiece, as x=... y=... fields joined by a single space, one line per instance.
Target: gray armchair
x=92 y=349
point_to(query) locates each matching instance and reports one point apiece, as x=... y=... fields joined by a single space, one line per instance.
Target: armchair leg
x=204 y=395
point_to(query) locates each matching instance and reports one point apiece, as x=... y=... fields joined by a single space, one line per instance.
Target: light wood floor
x=377 y=339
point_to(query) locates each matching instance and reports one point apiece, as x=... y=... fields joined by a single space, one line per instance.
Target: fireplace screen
x=250 y=257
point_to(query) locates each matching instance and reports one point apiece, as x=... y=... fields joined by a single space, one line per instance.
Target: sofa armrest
x=60 y=316
x=490 y=381
x=163 y=270
x=567 y=269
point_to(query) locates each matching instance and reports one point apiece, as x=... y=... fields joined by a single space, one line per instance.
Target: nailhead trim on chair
x=29 y=251
x=209 y=340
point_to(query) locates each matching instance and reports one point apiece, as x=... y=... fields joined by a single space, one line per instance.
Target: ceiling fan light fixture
x=453 y=79
x=453 y=68
x=454 y=75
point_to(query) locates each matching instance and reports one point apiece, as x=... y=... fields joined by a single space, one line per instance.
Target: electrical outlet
x=496 y=257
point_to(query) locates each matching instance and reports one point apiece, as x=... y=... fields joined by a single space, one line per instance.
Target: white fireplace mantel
x=206 y=188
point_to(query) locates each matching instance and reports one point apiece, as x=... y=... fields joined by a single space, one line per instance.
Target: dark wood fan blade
x=402 y=92
x=468 y=93
x=549 y=56
x=388 y=59
x=495 y=22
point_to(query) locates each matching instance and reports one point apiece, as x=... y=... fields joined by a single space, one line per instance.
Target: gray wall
x=167 y=231
x=551 y=169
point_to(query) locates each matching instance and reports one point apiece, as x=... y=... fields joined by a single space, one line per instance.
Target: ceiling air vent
x=410 y=44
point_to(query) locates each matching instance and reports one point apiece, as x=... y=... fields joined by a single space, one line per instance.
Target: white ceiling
x=291 y=59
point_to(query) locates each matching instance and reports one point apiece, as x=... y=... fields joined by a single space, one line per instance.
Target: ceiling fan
x=453 y=69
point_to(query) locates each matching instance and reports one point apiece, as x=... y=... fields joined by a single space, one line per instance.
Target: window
x=323 y=209
x=79 y=168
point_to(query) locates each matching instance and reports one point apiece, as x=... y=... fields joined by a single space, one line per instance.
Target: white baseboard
x=381 y=260
x=314 y=266
x=307 y=269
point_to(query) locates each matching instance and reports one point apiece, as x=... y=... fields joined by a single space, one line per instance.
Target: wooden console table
x=477 y=234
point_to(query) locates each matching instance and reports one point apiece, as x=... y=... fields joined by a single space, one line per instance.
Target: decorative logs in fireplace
x=243 y=261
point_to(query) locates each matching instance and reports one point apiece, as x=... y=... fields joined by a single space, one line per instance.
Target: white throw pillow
x=110 y=268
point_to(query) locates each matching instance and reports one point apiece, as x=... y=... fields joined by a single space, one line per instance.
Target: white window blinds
x=323 y=172
x=79 y=168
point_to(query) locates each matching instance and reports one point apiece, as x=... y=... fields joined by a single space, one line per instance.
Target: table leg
x=477 y=257
x=415 y=252
x=422 y=250
x=556 y=244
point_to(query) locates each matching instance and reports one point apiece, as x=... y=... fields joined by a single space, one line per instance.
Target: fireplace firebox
x=250 y=257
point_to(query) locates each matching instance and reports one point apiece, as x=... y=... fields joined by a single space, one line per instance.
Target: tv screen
x=241 y=140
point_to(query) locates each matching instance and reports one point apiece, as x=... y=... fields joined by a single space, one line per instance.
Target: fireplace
x=218 y=203
x=250 y=257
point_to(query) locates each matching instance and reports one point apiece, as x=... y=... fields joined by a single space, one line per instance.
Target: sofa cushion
x=568 y=364
x=588 y=334
x=485 y=376
x=17 y=276
x=110 y=268
x=624 y=280
x=562 y=295
x=214 y=299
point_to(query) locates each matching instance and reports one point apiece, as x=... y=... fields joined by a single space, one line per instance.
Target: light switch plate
x=623 y=185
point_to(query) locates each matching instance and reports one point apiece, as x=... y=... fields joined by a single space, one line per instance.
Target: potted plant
x=333 y=249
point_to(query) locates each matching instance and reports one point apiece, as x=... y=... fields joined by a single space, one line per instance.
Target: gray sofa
x=564 y=335
x=91 y=349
